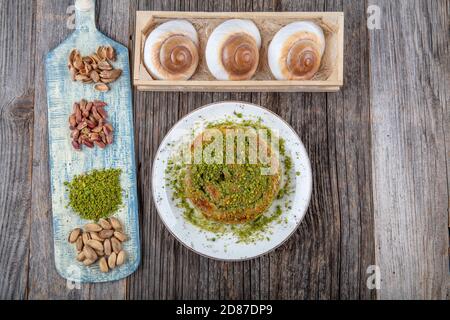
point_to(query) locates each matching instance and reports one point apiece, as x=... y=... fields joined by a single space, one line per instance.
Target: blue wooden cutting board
x=65 y=162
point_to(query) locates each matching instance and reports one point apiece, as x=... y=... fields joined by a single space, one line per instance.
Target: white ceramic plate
x=227 y=247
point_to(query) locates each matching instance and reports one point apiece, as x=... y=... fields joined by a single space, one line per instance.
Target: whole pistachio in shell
x=103 y=265
x=96 y=245
x=79 y=244
x=121 y=236
x=106 y=234
x=86 y=237
x=81 y=256
x=105 y=224
x=112 y=260
x=121 y=257
x=89 y=262
x=73 y=236
x=116 y=245
x=115 y=224
x=95 y=236
x=107 y=247
x=90 y=253
x=92 y=227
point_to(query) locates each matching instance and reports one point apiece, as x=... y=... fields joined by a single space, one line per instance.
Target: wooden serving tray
x=328 y=79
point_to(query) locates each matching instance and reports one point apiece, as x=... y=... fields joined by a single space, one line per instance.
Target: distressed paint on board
x=65 y=162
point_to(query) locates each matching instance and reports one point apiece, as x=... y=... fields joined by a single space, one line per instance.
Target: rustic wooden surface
x=379 y=151
x=410 y=92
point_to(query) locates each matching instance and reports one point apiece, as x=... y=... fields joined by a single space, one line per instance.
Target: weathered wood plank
x=328 y=256
x=336 y=131
x=16 y=124
x=44 y=281
x=352 y=148
x=409 y=96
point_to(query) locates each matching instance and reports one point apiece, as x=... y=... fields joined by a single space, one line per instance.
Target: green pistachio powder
x=95 y=195
x=249 y=232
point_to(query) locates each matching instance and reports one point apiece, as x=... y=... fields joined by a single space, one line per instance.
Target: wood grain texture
x=335 y=130
x=44 y=281
x=409 y=96
x=379 y=150
x=16 y=125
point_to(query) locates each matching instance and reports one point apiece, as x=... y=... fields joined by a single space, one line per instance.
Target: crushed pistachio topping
x=237 y=185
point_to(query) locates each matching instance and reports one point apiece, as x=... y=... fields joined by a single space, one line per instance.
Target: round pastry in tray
x=296 y=51
x=232 y=51
x=171 y=51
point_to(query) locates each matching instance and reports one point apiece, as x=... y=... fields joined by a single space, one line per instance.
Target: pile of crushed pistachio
x=95 y=195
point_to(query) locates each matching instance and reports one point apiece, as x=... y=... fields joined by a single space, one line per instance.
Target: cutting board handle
x=85 y=15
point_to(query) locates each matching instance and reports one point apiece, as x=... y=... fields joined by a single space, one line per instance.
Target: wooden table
x=379 y=151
